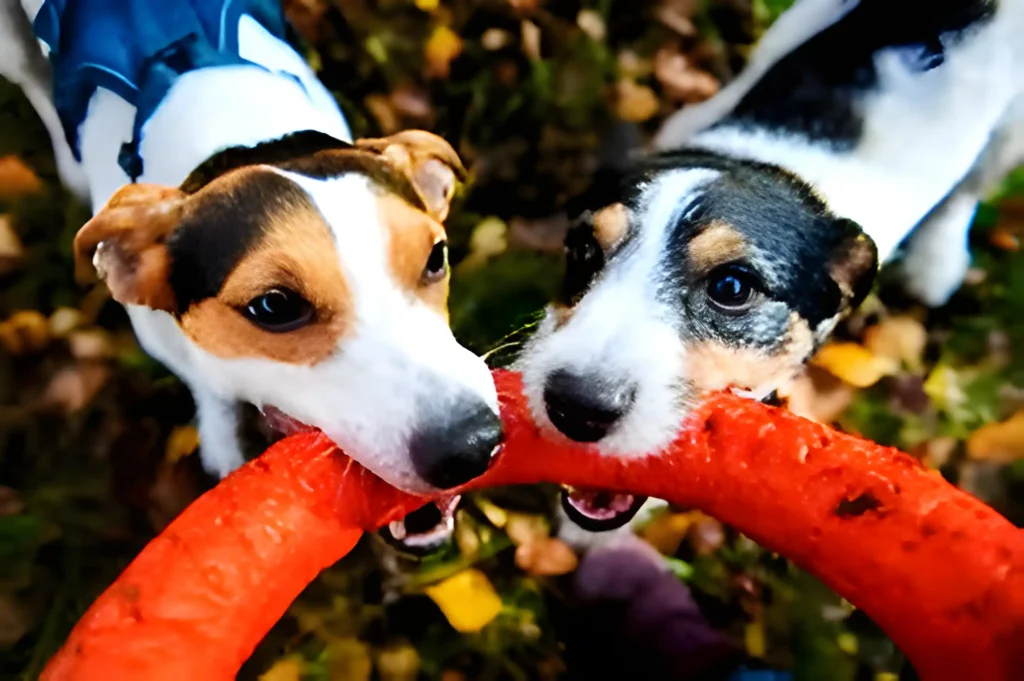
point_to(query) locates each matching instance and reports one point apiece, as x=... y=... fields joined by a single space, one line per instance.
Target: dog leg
x=937 y=254
x=218 y=420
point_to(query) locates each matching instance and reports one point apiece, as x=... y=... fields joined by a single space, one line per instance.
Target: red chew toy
x=941 y=572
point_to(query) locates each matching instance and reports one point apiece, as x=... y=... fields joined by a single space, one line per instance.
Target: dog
x=261 y=254
x=760 y=219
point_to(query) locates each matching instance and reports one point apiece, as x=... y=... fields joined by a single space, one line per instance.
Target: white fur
x=621 y=329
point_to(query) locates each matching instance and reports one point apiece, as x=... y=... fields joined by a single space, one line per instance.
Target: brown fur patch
x=610 y=225
x=714 y=366
x=718 y=244
x=299 y=253
x=412 y=235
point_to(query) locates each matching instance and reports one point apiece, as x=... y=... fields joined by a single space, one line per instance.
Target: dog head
x=311 y=276
x=708 y=273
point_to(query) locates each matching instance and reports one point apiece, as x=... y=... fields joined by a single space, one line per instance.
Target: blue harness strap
x=136 y=49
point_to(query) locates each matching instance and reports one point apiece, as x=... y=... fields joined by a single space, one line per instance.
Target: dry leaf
x=524 y=528
x=25 y=332
x=64 y=320
x=14 y=621
x=427 y=5
x=171 y=493
x=412 y=102
x=667 y=531
x=16 y=178
x=182 y=441
x=680 y=80
x=11 y=250
x=452 y=675
x=443 y=46
x=706 y=535
x=854 y=363
x=1004 y=239
x=287 y=669
x=754 y=639
x=632 y=66
x=899 y=338
x=94 y=344
x=348 y=659
x=818 y=395
x=530 y=36
x=591 y=23
x=937 y=452
x=998 y=442
x=73 y=387
x=634 y=103
x=524 y=6
x=398 y=663
x=383 y=110
x=489 y=239
x=678 y=16
x=467 y=599
x=494 y=39
x=546 y=558
x=10 y=502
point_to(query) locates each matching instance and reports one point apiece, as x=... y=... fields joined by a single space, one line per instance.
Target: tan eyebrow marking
x=719 y=243
x=412 y=235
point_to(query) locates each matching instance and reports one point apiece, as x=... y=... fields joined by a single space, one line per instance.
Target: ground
x=97 y=448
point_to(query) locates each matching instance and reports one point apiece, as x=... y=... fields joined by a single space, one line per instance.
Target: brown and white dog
x=263 y=257
x=728 y=255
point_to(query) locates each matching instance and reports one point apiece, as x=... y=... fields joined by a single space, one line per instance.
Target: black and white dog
x=762 y=217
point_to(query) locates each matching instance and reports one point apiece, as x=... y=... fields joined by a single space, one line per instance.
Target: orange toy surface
x=941 y=572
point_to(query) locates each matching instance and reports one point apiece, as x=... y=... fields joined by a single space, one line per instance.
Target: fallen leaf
x=900 y=338
x=754 y=639
x=443 y=46
x=678 y=16
x=26 y=331
x=383 y=111
x=73 y=387
x=10 y=502
x=494 y=39
x=14 y=621
x=524 y=6
x=854 y=364
x=427 y=5
x=467 y=599
x=16 y=178
x=398 y=663
x=706 y=535
x=944 y=389
x=818 y=395
x=412 y=102
x=182 y=441
x=495 y=514
x=489 y=238
x=634 y=103
x=591 y=23
x=90 y=344
x=548 y=557
x=64 y=320
x=530 y=36
x=452 y=675
x=1004 y=239
x=998 y=442
x=286 y=669
x=525 y=528
x=680 y=80
x=667 y=531
x=632 y=66
x=170 y=494
x=348 y=659
x=937 y=452
x=466 y=537
x=11 y=250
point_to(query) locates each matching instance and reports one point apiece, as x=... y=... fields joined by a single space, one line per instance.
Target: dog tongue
x=599 y=510
x=282 y=422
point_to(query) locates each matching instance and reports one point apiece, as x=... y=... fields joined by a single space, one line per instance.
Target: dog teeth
x=397 y=529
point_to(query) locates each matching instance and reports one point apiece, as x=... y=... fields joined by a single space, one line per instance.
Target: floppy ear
x=126 y=245
x=430 y=163
x=853 y=263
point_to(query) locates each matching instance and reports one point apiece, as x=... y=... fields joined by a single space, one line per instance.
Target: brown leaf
x=678 y=16
x=667 y=531
x=818 y=395
x=398 y=663
x=383 y=110
x=16 y=178
x=26 y=331
x=91 y=344
x=591 y=23
x=546 y=558
x=442 y=47
x=411 y=102
x=10 y=502
x=998 y=442
x=74 y=387
x=64 y=320
x=899 y=338
x=680 y=80
x=285 y=669
x=525 y=528
x=706 y=536
x=11 y=250
x=634 y=103
x=1004 y=239
x=530 y=36
x=14 y=621
x=173 y=490
x=494 y=39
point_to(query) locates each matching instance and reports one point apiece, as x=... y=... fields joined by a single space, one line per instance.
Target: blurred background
x=97 y=450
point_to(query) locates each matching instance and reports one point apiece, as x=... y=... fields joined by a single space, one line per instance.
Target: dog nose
x=585 y=408
x=453 y=452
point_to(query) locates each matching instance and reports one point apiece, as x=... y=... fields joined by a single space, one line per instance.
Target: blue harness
x=137 y=48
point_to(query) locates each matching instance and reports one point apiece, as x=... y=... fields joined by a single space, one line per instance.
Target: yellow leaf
x=467 y=599
x=754 y=639
x=900 y=338
x=886 y=676
x=349 y=660
x=285 y=669
x=182 y=441
x=398 y=663
x=25 y=332
x=666 y=532
x=999 y=442
x=427 y=5
x=943 y=387
x=634 y=103
x=847 y=643
x=854 y=364
x=523 y=528
x=442 y=47
x=546 y=558
x=16 y=178
x=11 y=250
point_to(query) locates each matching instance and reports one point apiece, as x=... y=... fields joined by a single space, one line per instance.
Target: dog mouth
x=283 y=424
x=425 y=529
x=600 y=510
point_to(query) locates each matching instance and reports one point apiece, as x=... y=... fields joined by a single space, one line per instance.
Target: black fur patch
x=220 y=228
x=817 y=89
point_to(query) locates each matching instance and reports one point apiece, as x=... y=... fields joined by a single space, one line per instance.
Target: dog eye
x=733 y=288
x=583 y=260
x=437 y=263
x=279 y=310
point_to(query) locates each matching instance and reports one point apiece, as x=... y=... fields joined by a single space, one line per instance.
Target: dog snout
x=453 y=452
x=585 y=408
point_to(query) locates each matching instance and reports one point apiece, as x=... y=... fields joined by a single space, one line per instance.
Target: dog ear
x=430 y=163
x=853 y=264
x=126 y=245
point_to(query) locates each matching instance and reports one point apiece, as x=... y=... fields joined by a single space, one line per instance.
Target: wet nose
x=454 y=451
x=585 y=408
